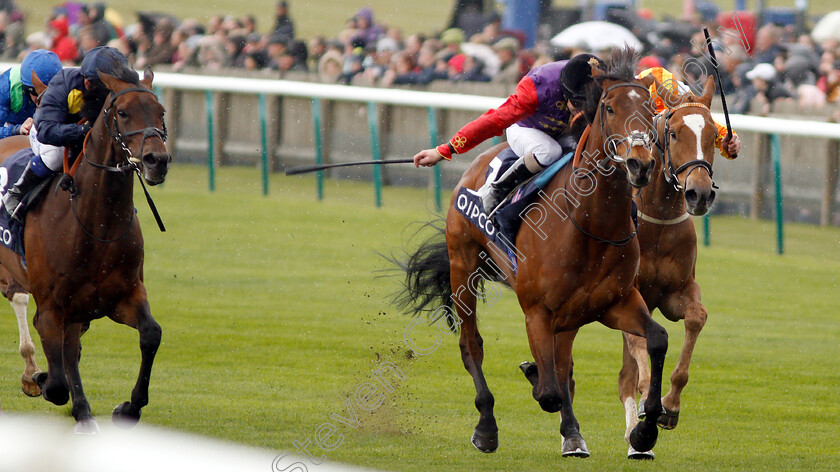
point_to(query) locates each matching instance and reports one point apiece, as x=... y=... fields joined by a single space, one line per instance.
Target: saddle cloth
x=507 y=219
x=11 y=232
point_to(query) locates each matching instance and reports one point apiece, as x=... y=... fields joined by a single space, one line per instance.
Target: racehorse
x=570 y=271
x=84 y=251
x=683 y=186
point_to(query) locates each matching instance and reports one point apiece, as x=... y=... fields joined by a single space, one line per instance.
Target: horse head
x=134 y=119
x=688 y=135
x=625 y=118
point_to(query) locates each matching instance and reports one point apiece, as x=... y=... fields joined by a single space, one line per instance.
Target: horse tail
x=426 y=287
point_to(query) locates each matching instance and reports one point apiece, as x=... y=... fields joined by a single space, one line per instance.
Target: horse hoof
x=30 y=387
x=485 y=442
x=668 y=419
x=640 y=456
x=643 y=437
x=86 y=427
x=530 y=371
x=40 y=378
x=575 y=447
x=126 y=415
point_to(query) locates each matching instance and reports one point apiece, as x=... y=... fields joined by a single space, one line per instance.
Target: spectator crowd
x=780 y=65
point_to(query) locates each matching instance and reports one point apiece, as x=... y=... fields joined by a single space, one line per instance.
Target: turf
x=273 y=318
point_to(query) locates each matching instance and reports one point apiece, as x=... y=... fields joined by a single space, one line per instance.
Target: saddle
x=11 y=232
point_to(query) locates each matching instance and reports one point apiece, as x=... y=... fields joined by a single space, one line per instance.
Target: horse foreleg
x=85 y=424
x=688 y=304
x=631 y=316
x=540 y=330
x=53 y=383
x=19 y=301
x=137 y=314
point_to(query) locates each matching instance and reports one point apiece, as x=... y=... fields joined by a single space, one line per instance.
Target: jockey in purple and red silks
x=533 y=118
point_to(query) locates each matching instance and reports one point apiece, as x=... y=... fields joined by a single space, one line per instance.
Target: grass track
x=272 y=316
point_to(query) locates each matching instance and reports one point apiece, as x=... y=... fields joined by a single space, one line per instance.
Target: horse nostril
x=691 y=197
x=634 y=166
x=711 y=199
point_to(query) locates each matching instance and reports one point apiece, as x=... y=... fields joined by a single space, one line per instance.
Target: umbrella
x=486 y=54
x=827 y=28
x=596 y=36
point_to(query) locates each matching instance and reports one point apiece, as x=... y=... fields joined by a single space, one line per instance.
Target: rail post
x=211 y=142
x=777 y=174
x=431 y=113
x=373 y=123
x=264 y=142
x=319 y=146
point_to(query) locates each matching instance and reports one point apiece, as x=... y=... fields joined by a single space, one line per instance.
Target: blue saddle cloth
x=508 y=217
x=11 y=232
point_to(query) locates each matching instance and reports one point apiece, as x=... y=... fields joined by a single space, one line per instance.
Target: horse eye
x=122 y=113
x=673 y=135
x=610 y=110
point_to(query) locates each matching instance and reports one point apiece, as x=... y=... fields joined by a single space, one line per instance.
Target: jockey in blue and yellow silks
x=73 y=94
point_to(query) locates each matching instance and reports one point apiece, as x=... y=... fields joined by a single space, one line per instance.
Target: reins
x=131 y=165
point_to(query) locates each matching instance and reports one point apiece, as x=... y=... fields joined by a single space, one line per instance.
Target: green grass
x=327 y=17
x=272 y=316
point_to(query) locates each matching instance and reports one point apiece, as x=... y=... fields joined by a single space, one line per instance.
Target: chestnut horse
x=578 y=265
x=683 y=186
x=84 y=251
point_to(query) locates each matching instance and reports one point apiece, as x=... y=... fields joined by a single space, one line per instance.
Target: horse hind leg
x=19 y=299
x=464 y=263
x=633 y=380
x=137 y=314
x=695 y=319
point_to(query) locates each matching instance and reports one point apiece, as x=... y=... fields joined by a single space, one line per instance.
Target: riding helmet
x=44 y=63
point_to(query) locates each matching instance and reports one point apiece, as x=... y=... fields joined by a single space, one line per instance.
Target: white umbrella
x=488 y=56
x=827 y=28
x=596 y=36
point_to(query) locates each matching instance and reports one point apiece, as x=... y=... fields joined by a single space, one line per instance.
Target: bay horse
x=570 y=272
x=682 y=187
x=84 y=251
x=17 y=295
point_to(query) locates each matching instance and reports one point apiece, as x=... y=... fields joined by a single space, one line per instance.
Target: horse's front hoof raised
x=29 y=386
x=643 y=437
x=575 y=447
x=668 y=419
x=530 y=371
x=126 y=415
x=86 y=427
x=485 y=442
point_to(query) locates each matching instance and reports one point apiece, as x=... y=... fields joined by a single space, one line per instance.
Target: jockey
x=533 y=118
x=728 y=146
x=73 y=94
x=17 y=93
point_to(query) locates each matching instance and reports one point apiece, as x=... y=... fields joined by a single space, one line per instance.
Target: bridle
x=113 y=130
x=671 y=174
x=130 y=164
x=636 y=138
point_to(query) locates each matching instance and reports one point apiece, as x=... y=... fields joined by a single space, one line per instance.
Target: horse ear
x=596 y=72
x=36 y=82
x=114 y=84
x=148 y=76
x=708 y=91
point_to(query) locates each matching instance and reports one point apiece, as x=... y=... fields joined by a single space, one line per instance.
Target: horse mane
x=622 y=65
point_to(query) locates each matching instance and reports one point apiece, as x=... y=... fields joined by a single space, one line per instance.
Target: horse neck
x=659 y=199
x=103 y=194
x=611 y=190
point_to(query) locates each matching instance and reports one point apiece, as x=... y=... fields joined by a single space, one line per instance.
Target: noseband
x=636 y=138
x=671 y=174
x=113 y=130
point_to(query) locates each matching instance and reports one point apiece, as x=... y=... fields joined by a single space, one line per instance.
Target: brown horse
x=84 y=251
x=683 y=186
x=577 y=261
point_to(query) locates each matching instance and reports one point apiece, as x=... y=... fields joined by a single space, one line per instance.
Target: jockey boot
x=28 y=181
x=520 y=171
